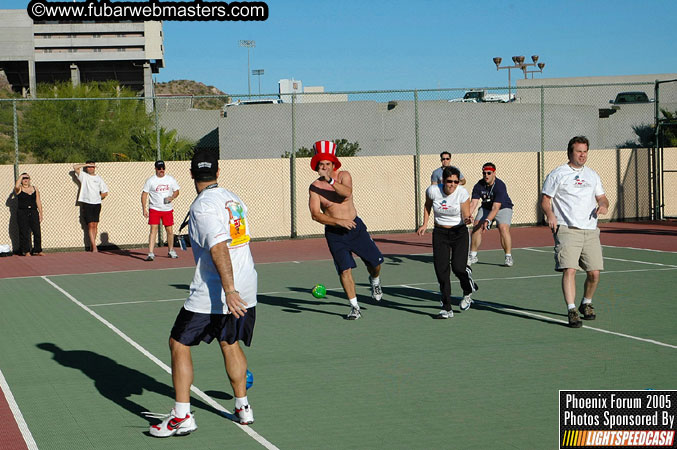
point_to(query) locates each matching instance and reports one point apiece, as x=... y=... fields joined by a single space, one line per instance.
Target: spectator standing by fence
x=162 y=189
x=92 y=190
x=29 y=216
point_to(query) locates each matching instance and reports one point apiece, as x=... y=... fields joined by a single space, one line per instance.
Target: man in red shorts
x=161 y=189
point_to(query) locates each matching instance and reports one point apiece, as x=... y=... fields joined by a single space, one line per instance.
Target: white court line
x=16 y=412
x=550 y=319
x=611 y=259
x=250 y=431
x=642 y=249
x=395 y=285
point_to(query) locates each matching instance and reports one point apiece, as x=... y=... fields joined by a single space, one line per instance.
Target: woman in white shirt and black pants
x=451 y=205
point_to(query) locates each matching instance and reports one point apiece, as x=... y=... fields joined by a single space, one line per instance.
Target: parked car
x=258 y=101
x=631 y=97
x=482 y=96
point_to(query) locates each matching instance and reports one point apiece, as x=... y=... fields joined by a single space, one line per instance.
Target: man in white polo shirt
x=222 y=300
x=162 y=189
x=573 y=198
x=92 y=190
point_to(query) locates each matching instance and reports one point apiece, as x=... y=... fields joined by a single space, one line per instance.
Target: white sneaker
x=376 y=291
x=354 y=314
x=171 y=425
x=150 y=257
x=245 y=415
x=172 y=254
x=465 y=303
x=472 y=260
x=508 y=261
x=444 y=314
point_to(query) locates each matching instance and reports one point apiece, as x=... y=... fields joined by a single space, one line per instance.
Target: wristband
x=234 y=291
x=331 y=181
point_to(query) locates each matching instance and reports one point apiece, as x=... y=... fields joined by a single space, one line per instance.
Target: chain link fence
x=390 y=141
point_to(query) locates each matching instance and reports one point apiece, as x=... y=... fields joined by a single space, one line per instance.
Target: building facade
x=35 y=52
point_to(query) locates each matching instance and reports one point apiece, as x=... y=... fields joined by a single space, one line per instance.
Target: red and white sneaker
x=172 y=425
x=245 y=415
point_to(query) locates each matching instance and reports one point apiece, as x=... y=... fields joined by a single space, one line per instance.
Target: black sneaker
x=574 y=320
x=587 y=311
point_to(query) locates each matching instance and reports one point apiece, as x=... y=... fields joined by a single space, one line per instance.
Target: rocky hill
x=189 y=87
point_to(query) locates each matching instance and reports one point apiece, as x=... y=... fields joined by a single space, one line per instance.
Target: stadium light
x=248 y=44
x=258 y=72
x=518 y=63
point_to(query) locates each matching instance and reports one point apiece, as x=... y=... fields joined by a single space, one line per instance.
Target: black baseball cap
x=204 y=165
x=159 y=164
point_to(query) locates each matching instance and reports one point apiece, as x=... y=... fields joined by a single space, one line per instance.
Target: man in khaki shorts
x=573 y=197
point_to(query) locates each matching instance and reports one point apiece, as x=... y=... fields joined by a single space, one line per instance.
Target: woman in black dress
x=29 y=216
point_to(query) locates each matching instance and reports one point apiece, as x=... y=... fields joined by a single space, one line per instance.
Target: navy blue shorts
x=343 y=242
x=191 y=328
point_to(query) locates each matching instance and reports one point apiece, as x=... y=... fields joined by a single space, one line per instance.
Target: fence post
x=16 y=142
x=158 y=156
x=541 y=169
x=657 y=168
x=417 y=166
x=292 y=168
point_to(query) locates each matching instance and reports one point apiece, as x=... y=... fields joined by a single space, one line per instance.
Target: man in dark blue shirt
x=495 y=205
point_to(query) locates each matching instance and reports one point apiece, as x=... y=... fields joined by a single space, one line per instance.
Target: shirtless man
x=331 y=204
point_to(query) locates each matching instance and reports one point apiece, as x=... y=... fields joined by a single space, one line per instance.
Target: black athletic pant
x=452 y=244
x=29 y=221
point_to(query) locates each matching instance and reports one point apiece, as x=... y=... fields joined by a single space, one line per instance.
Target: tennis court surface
x=84 y=347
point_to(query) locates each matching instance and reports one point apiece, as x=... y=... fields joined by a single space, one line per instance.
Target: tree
x=646 y=134
x=172 y=147
x=78 y=130
x=343 y=148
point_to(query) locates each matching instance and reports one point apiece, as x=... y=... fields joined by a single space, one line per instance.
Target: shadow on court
x=647 y=231
x=293 y=305
x=115 y=381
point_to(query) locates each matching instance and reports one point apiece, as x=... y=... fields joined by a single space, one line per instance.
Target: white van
x=258 y=101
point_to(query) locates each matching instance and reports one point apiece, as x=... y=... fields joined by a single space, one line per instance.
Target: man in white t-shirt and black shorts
x=573 y=197
x=161 y=189
x=222 y=300
x=92 y=190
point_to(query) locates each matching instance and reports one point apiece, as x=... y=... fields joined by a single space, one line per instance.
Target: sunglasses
x=488 y=172
x=445 y=159
x=452 y=181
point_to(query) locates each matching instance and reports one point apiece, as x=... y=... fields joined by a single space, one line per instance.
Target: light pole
x=248 y=44
x=519 y=63
x=259 y=72
x=532 y=72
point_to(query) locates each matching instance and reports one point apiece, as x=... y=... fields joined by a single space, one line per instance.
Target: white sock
x=570 y=307
x=181 y=409
x=353 y=303
x=508 y=254
x=473 y=254
x=375 y=281
x=240 y=402
x=586 y=301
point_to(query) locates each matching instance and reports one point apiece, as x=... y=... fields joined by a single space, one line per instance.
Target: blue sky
x=366 y=45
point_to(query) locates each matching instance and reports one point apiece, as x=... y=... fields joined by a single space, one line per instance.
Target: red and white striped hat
x=324 y=151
